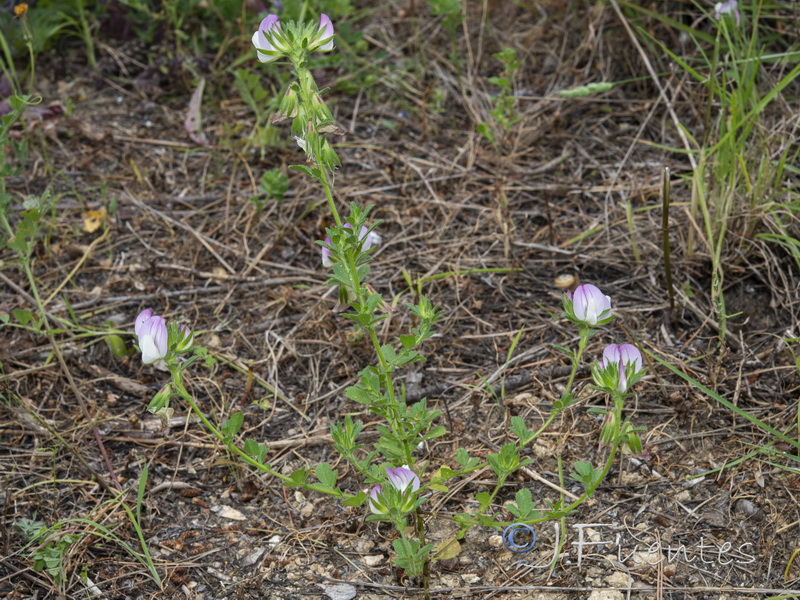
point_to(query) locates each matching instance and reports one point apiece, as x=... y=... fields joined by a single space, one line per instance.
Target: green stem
x=323 y=179
x=576 y=359
x=176 y=380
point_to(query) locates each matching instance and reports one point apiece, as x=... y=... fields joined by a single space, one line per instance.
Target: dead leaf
x=339 y=591
x=94 y=219
x=227 y=512
x=447 y=549
x=194 y=118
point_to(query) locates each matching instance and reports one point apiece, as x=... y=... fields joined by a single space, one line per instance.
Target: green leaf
x=437 y=431
x=313 y=173
x=519 y=429
x=117 y=346
x=464 y=460
x=408 y=341
x=356 y=500
x=389 y=354
x=326 y=475
x=22 y=316
x=231 y=426
x=524 y=500
x=484 y=499
x=298 y=478
x=256 y=450
x=357 y=393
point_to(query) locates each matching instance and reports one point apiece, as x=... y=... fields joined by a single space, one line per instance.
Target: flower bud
x=185 y=338
x=727 y=8
x=376 y=503
x=370 y=239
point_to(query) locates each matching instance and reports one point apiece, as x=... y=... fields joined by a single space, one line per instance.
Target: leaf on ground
x=339 y=591
x=447 y=549
x=94 y=219
x=194 y=118
x=227 y=512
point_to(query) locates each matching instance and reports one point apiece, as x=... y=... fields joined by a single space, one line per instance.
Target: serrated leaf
x=389 y=354
x=251 y=446
x=298 y=478
x=483 y=498
x=230 y=427
x=524 y=500
x=326 y=475
x=519 y=429
x=356 y=393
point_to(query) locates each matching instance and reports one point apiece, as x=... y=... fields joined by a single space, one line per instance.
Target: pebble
x=372 y=560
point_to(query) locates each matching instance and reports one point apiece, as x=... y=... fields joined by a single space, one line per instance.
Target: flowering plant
x=394 y=487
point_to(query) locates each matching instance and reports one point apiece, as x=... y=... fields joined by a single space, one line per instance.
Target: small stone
x=364 y=546
x=495 y=541
x=307 y=509
x=683 y=496
x=618 y=579
x=606 y=595
x=372 y=560
x=648 y=558
x=471 y=578
x=340 y=591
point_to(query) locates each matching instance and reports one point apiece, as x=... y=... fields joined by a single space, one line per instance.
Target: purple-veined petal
x=402 y=477
x=140 y=320
x=153 y=339
x=325 y=33
x=589 y=304
x=375 y=504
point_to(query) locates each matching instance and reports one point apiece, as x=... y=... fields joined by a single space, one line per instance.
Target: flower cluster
x=367 y=237
x=400 y=493
x=272 y=41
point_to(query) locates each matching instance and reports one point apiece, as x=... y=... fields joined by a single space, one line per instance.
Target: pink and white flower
x=325 y=32
x=589 y=304
x=401 y=478
x=153 y=337
x=628 y=359
x=269 y=41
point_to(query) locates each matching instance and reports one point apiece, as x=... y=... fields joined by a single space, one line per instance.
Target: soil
x=708 y=510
